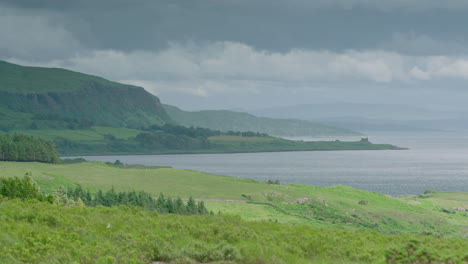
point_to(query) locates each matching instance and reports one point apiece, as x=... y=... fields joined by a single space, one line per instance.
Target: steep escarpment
x=55 y=98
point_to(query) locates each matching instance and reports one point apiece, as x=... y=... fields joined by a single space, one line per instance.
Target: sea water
x=434 y=161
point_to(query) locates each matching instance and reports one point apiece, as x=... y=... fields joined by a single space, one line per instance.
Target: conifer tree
x=191 y=206
x=179 y=206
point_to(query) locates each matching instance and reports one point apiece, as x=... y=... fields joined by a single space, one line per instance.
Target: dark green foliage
x=199 y=132
x=53 y=120
x=175 y=137
x=416 y=252
x=142 y=199
x=73 y=161
x=164 y=141
x=245 y=134
x=24 y=189
x=194 y=132
x=18 y=147
x=275 y=182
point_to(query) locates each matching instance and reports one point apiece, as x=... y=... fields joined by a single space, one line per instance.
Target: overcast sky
x=248 y=54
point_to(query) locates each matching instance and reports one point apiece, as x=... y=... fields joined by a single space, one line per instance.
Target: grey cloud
x=33 y=37
x=225 y=67
x=413 y=5
x=422 y=45
x=212 y=52
x=335 y=25
x=407 y=5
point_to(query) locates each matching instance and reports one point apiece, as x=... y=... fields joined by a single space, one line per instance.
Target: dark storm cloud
x=272 y=25
x=239 y=53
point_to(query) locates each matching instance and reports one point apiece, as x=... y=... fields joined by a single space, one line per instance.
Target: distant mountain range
x=368 y=118
x=224 y=120
x=356 y=110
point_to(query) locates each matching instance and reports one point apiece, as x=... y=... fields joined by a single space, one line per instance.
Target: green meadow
x=336 y=206
x=38 y=232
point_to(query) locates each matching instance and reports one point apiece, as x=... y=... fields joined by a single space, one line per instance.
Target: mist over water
x=436 y=161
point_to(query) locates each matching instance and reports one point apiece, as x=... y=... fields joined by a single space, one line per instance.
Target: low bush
x=38 y=232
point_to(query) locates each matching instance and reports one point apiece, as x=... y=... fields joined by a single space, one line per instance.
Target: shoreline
x=215 y=152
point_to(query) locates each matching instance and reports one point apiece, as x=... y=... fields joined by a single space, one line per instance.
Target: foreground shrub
x=24 y=189
x=38 y=232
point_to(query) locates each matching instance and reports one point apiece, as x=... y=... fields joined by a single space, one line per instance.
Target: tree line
x=200 y=132
x=143 y=199
x=176 y=137
x=27 y=189
x=19 y=147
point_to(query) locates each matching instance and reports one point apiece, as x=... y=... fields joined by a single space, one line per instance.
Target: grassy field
x=35 y=232
x=335 y=206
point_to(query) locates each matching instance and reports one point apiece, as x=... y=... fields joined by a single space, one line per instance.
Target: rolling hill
x=225 y=120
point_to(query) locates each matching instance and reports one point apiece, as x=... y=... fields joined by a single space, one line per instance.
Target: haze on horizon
x=224 y=54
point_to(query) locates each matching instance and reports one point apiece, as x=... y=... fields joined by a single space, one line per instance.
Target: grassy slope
x=236 y=121
x=35 y=232
x=21 y=79
x=28 y=91
x=326 y=206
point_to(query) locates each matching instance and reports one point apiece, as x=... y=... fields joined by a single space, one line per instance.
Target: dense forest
x=18 y=147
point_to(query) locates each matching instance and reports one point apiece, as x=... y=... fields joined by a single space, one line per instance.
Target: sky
x=253 y=54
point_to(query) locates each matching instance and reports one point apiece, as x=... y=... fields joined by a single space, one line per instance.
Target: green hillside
x=22 y=79
x=236 y=121
x=35 y=232
x=275 y=224
x=336 y=206
x=50 y=98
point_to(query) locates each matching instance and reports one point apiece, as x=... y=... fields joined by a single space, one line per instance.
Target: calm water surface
x=434 y=161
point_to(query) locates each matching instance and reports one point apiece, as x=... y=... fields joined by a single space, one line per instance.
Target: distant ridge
x=225 y=120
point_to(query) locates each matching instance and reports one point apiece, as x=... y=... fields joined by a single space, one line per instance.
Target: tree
x=201 y=209
x=191 y=206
